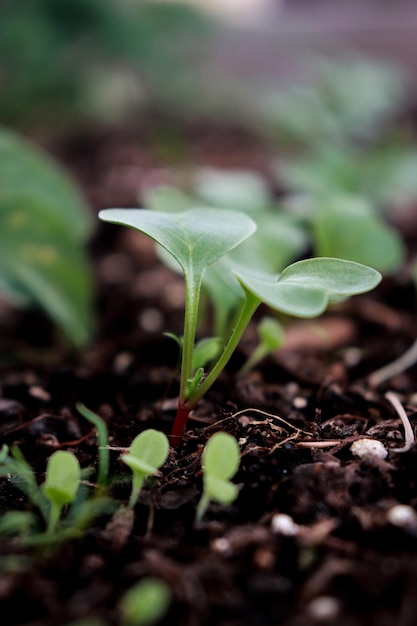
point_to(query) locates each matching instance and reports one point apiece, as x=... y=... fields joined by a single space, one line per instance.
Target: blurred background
x=310 y=106
x=65 y=63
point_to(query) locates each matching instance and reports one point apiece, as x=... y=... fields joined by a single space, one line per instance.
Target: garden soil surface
x=317 y=534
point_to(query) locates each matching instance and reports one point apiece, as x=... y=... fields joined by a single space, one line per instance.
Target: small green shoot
x=271 y=337
x=14 y=466
x=147 y=453
x=61 y=487
x=196 y=238
x=103 y=443
x=145 y=603
x=220 y=462
x=63 y=475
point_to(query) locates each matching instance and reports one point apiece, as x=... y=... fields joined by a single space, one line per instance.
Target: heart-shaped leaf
x=63 y=476
x=221 y=456
x=223 y=491
x=150 y=448
x=305 y=288
x=195 y=238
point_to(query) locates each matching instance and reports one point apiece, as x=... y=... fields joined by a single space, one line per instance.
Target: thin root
x=408 y=431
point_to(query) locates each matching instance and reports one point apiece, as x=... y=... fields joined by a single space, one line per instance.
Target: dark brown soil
x=347 y=558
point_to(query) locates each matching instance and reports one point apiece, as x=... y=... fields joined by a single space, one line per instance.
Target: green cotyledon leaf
x=196 y=238
x=305 y=288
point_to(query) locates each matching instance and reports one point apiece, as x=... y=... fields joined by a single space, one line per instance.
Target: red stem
x=178 y=427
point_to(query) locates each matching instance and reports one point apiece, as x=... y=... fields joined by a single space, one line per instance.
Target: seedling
x=220 y=462
x=145 y=603
x=279 y=239
x=103 y=443
x=63 y=474
x=196 y=238
x=271 y=337
x=147 y=453
x=62 y=487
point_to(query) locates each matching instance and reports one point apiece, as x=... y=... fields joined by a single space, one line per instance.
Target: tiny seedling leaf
x=147 y=453
x=195 y=238
x=346 y=227
x=305 y=288
x=206 y=351
x=221 y=456
x=63 y=476
x=271 y=337
x=220 y=462
x=223 y=491
x=242 y=190
x=145 y=603
x=149 y=450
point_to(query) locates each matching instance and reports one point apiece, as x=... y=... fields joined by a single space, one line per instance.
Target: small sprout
x=271 y=337
x=220 y=462
x=147 y=453
x=103 y=442
x=196 y=239
x=15 y=523
x=145 y=603
x=63 y=474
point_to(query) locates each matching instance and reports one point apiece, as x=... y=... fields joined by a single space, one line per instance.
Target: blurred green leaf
x=44 y=225
x=346 y=227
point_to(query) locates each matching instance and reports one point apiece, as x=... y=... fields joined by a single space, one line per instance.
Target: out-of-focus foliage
x=44 y=225
x=70 y=60
x=339 y=101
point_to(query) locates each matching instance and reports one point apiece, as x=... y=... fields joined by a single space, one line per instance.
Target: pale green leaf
x=28 y=172
x=206 y=351
x=44 y=223
x=63 y=474
x=271 y=333
x=240 y=189
x=195 y=238
x=223 y=491
x=166 y=199
x=145 y=603
x=221 y=456
x=347 y=228
x=150 y=448
x=305 y=288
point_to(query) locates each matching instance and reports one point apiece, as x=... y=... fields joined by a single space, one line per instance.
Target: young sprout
x=271 y=337
x=196 y=238
x=63 y=474
x=145 y=603
x=220 y=462
x=147 y=453
x=103 y=443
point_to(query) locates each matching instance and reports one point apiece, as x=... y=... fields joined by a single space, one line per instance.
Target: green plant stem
x=202 y=507
x=54 y=514
x=137 y=484
x=192 y=295
x=257 y=355
x=103 y=442
x=247 y=312
x=184 y=407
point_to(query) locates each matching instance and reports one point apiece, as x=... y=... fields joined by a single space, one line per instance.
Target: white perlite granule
x=284 y=525
x=403 y=516
x=367 y=448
